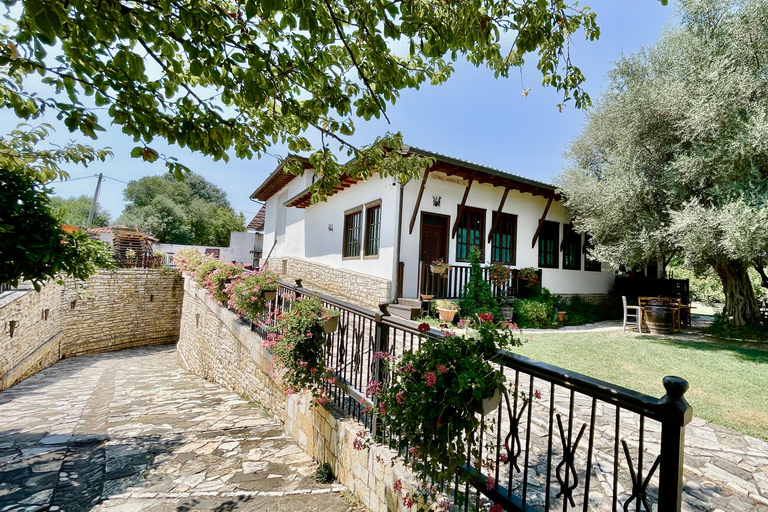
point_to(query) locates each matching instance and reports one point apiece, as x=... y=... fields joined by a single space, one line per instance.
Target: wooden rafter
x=568 y=230
x=461 y=208
x=497 y=215
x=541 y=223
x=418 y=200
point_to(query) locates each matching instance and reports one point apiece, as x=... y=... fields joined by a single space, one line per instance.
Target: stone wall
x=122 y=309
x=361 y=289
x=214 y=344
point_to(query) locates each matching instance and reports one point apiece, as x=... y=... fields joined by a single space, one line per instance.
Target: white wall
x=241 y=247
x=528 y=210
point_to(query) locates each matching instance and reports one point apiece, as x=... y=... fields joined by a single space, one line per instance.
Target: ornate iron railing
x=563 y=441
x=451 y=284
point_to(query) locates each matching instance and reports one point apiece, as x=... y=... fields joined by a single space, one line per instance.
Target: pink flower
x=485 y=317
x=373 y=388
x=290 y=391
x=423 y=328
x=414 y=451
x=537 y=394
x=381 y=355
x=397 y=486
x=503 y=457
x=304 y=363
x=431 y=378
x=408 y=501
x=399 y=397
x=512 y=327
x=322 y=400
x=382 y=407
x=464 y=322
x=490 y=483
x=309 y=335
x=357 y=444
x=441 y=369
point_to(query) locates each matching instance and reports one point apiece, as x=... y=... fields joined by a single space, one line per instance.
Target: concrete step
x=407 y=312
x=404 y=301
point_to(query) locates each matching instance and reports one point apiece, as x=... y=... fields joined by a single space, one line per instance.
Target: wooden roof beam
x=497 y=215
x=568 y=230
x=418 y=200
x=541 y=223
x=461 y=209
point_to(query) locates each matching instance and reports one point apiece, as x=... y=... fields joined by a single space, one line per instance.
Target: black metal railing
x=562 y=441
x=452 y=283
x=5 y=287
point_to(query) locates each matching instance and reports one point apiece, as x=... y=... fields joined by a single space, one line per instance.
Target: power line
x=115 y=179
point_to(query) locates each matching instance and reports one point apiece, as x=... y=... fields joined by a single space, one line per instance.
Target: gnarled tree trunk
x=741 y=306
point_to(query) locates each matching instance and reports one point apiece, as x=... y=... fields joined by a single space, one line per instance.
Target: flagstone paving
x=131 y=431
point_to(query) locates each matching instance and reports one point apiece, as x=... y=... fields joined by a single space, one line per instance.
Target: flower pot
x=487 y=405
x=269 y=295
x=507 y=313
x=561 y=316
x=446 y=315
x=427 y=297
x=331 y=324
x=440 y=268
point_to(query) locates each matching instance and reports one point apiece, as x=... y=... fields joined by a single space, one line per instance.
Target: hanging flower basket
x=487 y=405
x=331 y=324
x=439 y=267
x=269 y=295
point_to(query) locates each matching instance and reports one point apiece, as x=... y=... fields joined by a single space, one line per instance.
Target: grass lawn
x=729 y=379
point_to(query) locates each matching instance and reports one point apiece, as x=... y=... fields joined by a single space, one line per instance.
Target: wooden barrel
x=658 y=319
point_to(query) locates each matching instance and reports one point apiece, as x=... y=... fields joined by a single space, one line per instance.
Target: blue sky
x=472 y=117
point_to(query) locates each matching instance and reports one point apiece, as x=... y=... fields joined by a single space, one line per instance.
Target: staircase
x=406 y=308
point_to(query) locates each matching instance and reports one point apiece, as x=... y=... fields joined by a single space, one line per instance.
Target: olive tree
x=674 y=158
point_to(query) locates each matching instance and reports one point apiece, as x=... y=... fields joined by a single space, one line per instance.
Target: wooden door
x=434 y=238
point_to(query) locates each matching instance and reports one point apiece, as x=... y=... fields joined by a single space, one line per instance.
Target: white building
x=372 y=240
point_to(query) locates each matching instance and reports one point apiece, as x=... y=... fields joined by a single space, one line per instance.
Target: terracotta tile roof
x=257 y=223
x=278 y=179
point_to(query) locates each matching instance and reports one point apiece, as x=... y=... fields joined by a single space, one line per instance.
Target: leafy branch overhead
x=233 y=78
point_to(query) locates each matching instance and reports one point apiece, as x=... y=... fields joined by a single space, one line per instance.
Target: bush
x=477 y=297
x=208 y=266
x=532 y=313
x=187 y=260
x=580 y=312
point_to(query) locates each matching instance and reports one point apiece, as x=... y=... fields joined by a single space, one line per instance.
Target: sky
x=472 y=117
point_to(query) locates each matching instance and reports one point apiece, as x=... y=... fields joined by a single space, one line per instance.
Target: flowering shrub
x=529 y=275
x=187 y=260
x=206 y=267
x=430 y=397
x=296 y=342
x=221 y=277
x=245 y=292
x=499 y=274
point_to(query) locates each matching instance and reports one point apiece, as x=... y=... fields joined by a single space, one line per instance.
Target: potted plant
x=499 y=274
x=446 y=309
x=330 y=318
x=439 y=267
x=296 y=342
x=432 y=394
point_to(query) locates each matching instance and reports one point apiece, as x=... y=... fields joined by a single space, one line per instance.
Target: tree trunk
x=741 y=306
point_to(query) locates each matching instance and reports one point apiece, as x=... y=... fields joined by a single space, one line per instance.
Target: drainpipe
x=396 y=280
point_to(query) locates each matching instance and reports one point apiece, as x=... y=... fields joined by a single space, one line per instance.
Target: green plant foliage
x=32 y=244
x=674 y=159
x=753 y=331
x=430 y=397
x=221 y=277
x=74 y=211
x=580 y=312
x=477 y=297
x=707 y=287
x=189 y=211
x=533 y=313
x=207 y=266
x=245 y=292
x=274 y=69
x=297 y=342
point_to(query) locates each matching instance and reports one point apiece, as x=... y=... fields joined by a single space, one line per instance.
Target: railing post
x=676 y=413
x=380 y=344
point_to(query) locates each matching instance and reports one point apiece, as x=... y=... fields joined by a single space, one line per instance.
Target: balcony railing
x=451 y=284
x=580 y=444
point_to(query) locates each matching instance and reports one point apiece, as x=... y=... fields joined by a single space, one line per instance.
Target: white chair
x=634 y=313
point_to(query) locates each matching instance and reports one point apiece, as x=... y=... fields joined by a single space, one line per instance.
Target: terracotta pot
x=331 y=324
x=561 y=316
x=487 y=405
x=269 y=295
x=446 y=315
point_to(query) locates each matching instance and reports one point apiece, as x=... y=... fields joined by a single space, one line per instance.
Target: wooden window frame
x=572 y=248
x=367 y=240
x=549 y=228
x=512 y=219
x=469 y=210
x=346 y=243
x=590 y=265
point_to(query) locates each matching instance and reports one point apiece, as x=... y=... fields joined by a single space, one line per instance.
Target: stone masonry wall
x=214 y=344
x=125 y=308
x=361 y=289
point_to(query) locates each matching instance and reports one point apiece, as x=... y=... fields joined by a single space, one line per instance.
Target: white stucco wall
x=528 y=210
x=241 y=247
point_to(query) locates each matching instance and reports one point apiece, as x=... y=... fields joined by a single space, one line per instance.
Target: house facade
x=372 y=241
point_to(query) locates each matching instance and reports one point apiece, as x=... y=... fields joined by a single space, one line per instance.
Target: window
x=504 y=240
x=549 y=236
x=590 y=265
x=372 y=228
x=352 y=220
x=470 y=233
x=571 y=249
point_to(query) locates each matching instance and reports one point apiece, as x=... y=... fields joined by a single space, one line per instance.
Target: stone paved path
x=131 y=431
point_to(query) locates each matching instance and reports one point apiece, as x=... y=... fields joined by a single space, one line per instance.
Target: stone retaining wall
x=214 y=344
x=125 y=308
x=361 y=289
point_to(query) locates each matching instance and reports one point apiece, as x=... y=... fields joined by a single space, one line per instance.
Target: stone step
x=407 y=312
x=404 y=301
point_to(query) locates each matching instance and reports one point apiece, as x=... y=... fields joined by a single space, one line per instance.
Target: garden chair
x=674 y=303
x=635 y=313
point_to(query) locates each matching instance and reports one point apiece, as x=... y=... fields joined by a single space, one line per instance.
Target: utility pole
x=95 y=199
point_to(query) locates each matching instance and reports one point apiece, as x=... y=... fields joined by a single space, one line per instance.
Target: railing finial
x=675 y=386
x=298 y=283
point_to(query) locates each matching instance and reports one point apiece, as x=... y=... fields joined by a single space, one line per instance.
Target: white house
x=372 y=240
